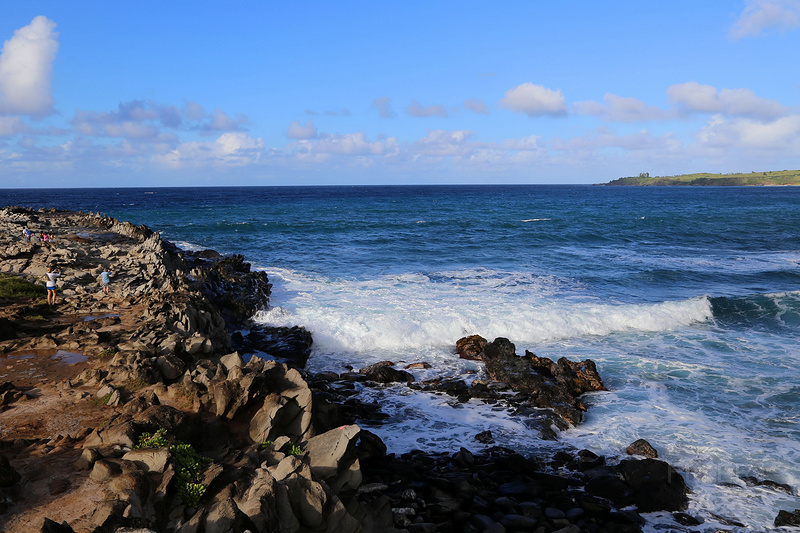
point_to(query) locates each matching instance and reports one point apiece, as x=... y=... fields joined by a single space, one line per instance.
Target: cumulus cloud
x=535 y=100
x=476 y=105
x=415 y=109
x=298 y=131
x=694 y=97
x=347 y=144
x=384 y=106
x=742 y=133
x=441 y=143
x=621 y=109
x=229 y=149
x=762 y=15
x=26 y=63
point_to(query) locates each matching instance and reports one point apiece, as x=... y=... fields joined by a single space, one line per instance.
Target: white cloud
x=415 y=109
x=347 y=144
x=476 y=105
x=298 y=131
x=782 y=134
x=621 y=109
x=761 y=15
x=535 y=100
x=230 y=149
x=26 y=62
x=695 y=97
x=441 y=143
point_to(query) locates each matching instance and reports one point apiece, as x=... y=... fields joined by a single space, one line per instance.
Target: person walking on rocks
x=52 y=275
x=27 y=234
x=105 y=278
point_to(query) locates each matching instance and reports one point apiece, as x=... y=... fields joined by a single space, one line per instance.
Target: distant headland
x=771 y=178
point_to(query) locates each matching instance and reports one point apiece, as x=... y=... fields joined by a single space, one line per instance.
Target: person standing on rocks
x=26 y=233
x=105 y=278
x=52 y=275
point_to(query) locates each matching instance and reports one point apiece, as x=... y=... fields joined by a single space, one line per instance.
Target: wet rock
x=557 y=386
x=643 y=448
x=656 y=485
x=786 y=518
x=484 y=437
x=686 y=520
x=470 y=347
x=290 y=345
x=782 y=487
x=384 y=372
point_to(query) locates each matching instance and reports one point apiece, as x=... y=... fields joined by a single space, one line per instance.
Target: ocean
x=687 y=298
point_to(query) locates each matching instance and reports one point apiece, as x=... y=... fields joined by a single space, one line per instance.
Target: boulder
x=786 y=518
x=384 y=372
x=470 y=347
x=334 y=459
x=290 y=345
x=643 y=448
x=656 y=485
x=149 y=459
x=557 y=386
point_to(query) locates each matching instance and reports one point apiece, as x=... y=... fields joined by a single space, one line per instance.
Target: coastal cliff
x=146 y=408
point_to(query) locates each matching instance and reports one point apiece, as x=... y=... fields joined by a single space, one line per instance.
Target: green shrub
x=292 y=449
x=18 y=288
x=188 y=465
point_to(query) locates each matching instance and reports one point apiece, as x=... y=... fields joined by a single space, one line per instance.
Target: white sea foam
x=710 y=403
x=414 y=311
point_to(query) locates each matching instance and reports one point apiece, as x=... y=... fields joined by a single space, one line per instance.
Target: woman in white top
x=52 y=275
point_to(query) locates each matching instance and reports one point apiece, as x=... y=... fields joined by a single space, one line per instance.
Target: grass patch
x=135 y=384
x=16 y=288
x=107 y=353
x=102 y=401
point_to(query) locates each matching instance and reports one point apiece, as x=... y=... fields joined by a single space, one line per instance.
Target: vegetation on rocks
x=13 y=287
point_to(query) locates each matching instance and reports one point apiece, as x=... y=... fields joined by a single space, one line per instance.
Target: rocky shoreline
x=151 y=409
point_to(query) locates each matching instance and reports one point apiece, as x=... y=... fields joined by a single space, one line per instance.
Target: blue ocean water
x=687 y=298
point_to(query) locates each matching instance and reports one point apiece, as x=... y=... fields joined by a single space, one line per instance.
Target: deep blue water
x=686 y=297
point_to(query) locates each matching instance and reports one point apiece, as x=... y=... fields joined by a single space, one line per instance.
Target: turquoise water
x=686 y=298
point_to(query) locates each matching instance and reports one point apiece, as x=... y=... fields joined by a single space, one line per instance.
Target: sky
x=121 y=94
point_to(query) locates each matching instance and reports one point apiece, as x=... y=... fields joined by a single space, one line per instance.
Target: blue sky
x=293 y=93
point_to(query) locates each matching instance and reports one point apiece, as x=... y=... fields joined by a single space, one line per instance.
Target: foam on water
x=715 y=406
x=416 y=311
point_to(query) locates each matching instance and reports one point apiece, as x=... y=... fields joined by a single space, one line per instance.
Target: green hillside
x=775 y=177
